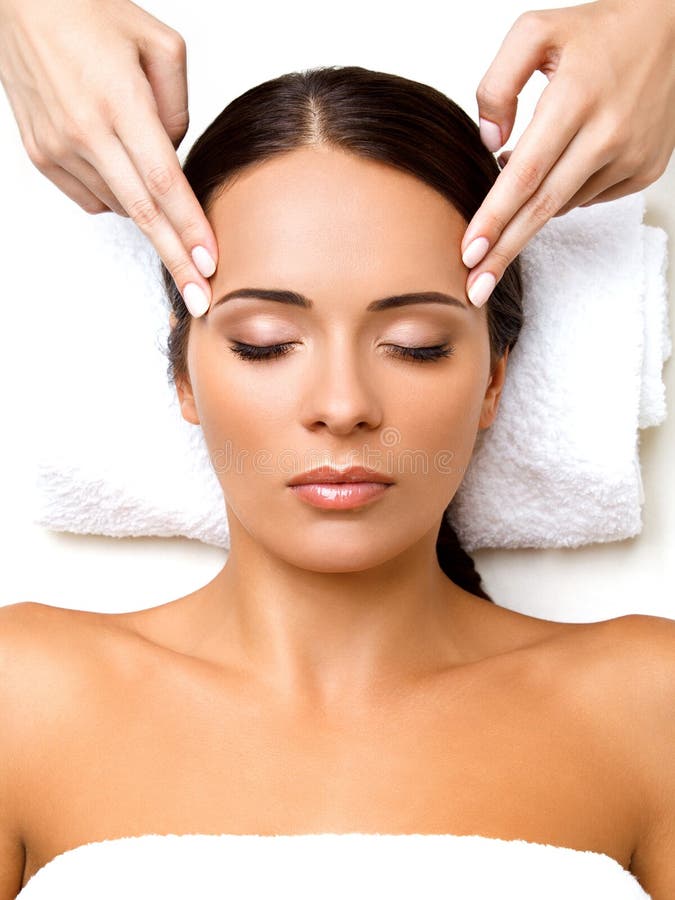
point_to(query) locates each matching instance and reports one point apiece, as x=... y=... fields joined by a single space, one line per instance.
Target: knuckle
x=495 y=223
x=45 y=149
x=502 y=258
x=38 y=156
x=173 y=44
x=655 y=170
x=613 y=136
x=77 y=132
x=543 y=206
x=160 y=180
x=643 y=166
x=55 y=148
x=529 y=22
x=635 y=165
x=489 y=95
x=145 y=213
x=177 y=123
x=645 y=175
x=527 y=175
x=181 y=270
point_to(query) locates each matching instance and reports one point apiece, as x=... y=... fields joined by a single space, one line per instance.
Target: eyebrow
x=295 y=299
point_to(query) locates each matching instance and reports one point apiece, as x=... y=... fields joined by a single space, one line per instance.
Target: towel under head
x=559 y=467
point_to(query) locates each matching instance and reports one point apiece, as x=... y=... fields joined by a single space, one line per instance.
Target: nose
x=340 y=395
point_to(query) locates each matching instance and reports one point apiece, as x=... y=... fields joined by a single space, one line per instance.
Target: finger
x=149 y=149
x=71 y=174
x=521 y=53
x=622 y=189
x=604 y=185
x=165 y=67
x=563 y=182
x=72 y=187
x=85 y=173
x=120 y=173
x=540 y=146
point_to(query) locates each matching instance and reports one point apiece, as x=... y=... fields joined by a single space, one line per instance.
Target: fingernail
x=204 y=261
x=490 y=135
x=195 y=299
x=475 y=252
x=481 y=289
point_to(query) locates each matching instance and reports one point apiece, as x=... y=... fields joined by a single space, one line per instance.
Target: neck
x=321 y=638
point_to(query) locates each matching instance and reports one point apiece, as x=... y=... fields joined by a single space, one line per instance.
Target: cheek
x=445 y=416
x=239 y=410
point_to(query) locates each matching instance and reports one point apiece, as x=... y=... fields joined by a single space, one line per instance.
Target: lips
x=331 y=475
x=340 y=496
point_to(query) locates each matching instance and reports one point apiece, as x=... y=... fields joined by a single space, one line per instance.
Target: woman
x=343 y=672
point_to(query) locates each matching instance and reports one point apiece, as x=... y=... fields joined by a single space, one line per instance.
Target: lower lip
x=340 y=496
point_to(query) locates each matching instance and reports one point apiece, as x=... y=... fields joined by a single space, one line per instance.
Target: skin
x=592 y=137
x=331 y=659
x=107 y=139
x=330 y=604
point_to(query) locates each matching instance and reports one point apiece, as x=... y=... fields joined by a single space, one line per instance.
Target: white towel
x=331 y=866
x=559 y=467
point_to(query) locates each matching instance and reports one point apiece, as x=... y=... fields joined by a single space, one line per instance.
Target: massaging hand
x=99 y=91
x=603 y=127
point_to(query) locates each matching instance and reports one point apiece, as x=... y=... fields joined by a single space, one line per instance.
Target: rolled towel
x=559 y=467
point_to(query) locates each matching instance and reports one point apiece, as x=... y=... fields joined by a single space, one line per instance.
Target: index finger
x=539 y=148
x=150 y=149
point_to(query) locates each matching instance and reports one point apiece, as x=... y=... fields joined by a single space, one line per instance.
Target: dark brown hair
x=404 y=123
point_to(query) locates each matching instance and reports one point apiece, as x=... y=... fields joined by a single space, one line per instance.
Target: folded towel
x=330 y=866
x=559 y=467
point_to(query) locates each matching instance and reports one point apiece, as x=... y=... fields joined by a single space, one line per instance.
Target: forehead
x=319 y=214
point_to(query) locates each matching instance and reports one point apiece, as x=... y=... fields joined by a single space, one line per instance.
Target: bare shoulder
x=52 y=663
x=623 y=671
x=29 y=633
x=626 y=665
x=52 y=659
x=25 y=674
x=38 y=641
x=632 y=659
x=43 y=652
x=55 y=666
x=649 y=648
x=12 y=767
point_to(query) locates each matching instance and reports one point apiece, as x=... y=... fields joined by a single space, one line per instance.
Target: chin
x=340 y=555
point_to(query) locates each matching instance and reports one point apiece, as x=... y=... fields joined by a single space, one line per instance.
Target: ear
x=493 y=393
x=186 y=399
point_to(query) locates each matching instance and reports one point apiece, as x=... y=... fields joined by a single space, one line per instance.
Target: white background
x=231 y=47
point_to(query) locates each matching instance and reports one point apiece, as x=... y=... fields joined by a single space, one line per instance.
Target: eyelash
x=273 y=351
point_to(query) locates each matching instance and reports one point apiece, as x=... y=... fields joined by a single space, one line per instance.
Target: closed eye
x=423 y=354
x=252 y=351
x=274 y=351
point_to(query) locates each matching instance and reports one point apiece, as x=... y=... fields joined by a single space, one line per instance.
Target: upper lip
x=328 y=474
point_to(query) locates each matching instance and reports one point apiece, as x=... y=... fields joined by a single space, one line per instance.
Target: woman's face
x=343 y=232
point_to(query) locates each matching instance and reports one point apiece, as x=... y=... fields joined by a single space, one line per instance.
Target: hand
x=603 y=127
x=99 y=92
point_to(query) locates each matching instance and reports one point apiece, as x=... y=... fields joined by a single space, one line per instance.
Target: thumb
x=523 y=51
